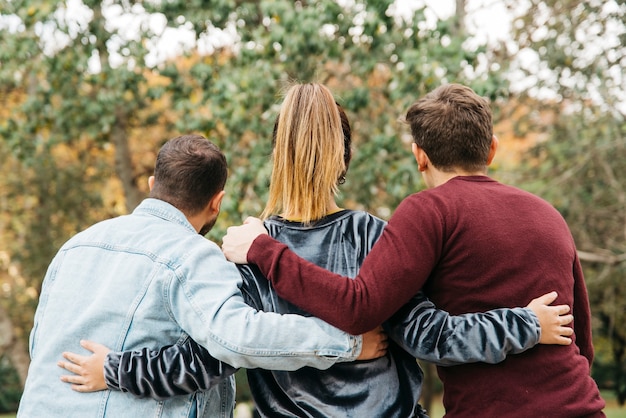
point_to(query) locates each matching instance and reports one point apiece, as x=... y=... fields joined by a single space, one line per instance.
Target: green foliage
x=84 y=115
x=242 y=387
x=10 y=387
x=579 y=164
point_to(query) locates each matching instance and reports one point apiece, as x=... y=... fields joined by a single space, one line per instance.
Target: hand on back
x=553 y=320
x=88 y=370
x=375 y=343
x=238 y=239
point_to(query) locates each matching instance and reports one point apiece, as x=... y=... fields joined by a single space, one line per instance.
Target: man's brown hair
x=453 y=125
x=189 y=171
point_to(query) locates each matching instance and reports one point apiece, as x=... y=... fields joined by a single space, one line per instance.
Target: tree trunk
x=459 y=20
x=124 y=163
x=119 y=131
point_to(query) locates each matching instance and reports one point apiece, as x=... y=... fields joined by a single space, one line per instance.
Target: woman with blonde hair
x=311 y=155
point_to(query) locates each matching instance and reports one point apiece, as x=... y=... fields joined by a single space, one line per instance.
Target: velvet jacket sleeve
x=433 y=335
x=390 y=275
x=159 y=374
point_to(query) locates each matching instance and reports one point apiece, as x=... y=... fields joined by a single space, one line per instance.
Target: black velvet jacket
x=385 y=387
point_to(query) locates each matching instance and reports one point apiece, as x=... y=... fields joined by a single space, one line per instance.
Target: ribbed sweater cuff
x=261 y=251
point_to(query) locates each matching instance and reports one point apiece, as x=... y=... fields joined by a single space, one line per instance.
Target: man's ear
x=150 y=182
x=216 y=202
x=420 y=156
x=492 y=149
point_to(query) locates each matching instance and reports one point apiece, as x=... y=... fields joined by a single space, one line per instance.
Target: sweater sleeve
x=433 y=335
x=160 y=374
x=393 y=272
x=582 y=313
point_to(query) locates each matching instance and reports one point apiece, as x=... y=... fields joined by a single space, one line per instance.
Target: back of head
x=189 y=171
x=311 y=152
x=453 y=125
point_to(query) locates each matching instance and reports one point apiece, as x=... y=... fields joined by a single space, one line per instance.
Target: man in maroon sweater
x=473 y=244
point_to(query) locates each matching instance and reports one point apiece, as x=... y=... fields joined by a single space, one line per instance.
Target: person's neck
x=331 y=208
x=435 y=177
x=197 y=220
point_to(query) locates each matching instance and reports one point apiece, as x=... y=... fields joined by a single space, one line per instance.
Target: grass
x=612 y=410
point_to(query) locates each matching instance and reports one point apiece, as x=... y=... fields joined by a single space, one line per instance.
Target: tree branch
x=601 y=258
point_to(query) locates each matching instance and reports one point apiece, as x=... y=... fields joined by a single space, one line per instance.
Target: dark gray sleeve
x=433 y=335
x=178 y=369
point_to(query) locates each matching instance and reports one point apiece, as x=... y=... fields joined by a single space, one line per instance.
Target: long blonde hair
x=308 y=157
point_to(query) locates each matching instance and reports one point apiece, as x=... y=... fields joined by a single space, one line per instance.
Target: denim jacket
x=386 y=387
x=148 y=280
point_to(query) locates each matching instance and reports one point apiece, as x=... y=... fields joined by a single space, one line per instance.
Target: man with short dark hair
x=150 y=278
x=473 y=244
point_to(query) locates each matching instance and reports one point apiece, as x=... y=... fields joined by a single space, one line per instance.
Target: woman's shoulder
x=363 y=216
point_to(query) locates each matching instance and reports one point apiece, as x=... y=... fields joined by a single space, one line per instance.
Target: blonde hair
x=308 y=156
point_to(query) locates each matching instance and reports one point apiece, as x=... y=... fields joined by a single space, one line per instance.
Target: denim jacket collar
x=163 y=210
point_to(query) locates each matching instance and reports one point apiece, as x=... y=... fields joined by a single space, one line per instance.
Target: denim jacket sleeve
x=177 y=369
x=204 y=296
x=433 y=335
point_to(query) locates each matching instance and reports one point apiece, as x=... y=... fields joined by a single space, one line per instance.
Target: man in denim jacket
x=150 y=278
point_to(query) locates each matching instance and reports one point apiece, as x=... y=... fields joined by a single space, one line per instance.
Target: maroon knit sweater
x=473 y=244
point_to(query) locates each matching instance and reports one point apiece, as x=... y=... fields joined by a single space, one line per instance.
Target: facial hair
x=207 y=226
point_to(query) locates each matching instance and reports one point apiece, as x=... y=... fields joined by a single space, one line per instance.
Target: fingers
x=560 y=309
x=96 y=348
x=74 y=365
x=72 y=378
x=74 y=358
x=562 y=332
x=82 y=388
x=381 y=335
x=70 y=367
x=553 y=320
x=566 y=331
x=384 y=341
x=566 y=319
x=381 y=348
x=88 y=374
x=561 y=340
x=79 y=383
x=375 y=344
x=90 y=345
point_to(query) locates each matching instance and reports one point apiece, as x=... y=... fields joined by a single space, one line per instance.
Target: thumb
x=92 y=346
x=548 y=298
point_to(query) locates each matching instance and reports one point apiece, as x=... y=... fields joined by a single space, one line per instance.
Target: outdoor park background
x=90 y=90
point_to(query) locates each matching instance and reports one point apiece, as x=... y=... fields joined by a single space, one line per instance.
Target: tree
x=95 y=86
x=90 y=106
x=573 y=54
